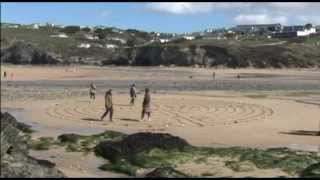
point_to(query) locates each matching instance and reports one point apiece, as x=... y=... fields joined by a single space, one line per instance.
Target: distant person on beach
x=146 y=109
x=238 y=76
x=5 y=74
x=92 y=91
x=213 y=75
x=133 y=94
x=108 y=105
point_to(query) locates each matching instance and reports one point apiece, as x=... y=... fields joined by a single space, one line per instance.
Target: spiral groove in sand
x=171 y=111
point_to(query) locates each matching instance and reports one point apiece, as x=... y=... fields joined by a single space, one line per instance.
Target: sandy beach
x=264 y=108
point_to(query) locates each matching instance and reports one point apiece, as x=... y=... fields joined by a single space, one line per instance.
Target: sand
x=208 y=117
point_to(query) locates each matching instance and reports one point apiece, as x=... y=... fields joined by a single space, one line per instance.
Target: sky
x=173 y=17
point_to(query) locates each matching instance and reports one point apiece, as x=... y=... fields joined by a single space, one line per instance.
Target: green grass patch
x=75 y=142
x=248 y=159
x=43 y=143
x=80 y=143
x=120 y=167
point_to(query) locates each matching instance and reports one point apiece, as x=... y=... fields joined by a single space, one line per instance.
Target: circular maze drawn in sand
x=168 y=112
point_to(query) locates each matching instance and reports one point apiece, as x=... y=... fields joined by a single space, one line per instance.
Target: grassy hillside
x=136 y=49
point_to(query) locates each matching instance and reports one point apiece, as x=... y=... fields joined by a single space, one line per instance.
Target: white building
x=91 y=37
x=164 y=40
x=189 y=37
x=84 y=45
x=59 y=35
x=118 y=39
x=306 y=32
x=35 y=26
x=111 y=46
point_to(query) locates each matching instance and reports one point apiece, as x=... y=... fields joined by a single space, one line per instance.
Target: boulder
x=69 y=138
x=312 y=171
x=7 y=119
x=135 y=143
x=15 y=161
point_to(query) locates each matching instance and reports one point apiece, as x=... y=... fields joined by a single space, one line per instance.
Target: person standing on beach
x=5 y=74
x=133 y=94
x=108 y=105
x=146 y=105
x=92 y=91
x=213 y=75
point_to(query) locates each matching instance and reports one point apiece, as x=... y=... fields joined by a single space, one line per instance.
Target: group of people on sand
x=146 y=109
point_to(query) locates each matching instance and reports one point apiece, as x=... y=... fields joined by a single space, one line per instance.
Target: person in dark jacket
x=133 y=94
x=146 y=109
x=92 y=91
x=108 y=105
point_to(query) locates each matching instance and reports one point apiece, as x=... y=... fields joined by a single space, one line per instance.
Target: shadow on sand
x=128 y=119
x=302 y=133
x=90 y=119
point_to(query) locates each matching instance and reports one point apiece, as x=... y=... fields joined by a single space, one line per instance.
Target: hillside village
x=237 y=32
x=102 y=45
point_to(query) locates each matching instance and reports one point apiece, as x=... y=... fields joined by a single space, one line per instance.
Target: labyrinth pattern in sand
x=171 y=111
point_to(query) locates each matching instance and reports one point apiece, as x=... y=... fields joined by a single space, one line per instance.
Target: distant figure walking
x=92 y=91
x=214 y=75
x=133 y=94
x=238 y=76
x=5 y=74
x=146 y=109
x=108 y=105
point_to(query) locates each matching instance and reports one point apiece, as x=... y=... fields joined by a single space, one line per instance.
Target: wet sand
x=264 y=108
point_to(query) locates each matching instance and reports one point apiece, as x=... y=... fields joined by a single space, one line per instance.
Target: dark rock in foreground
x=15 y=161
x=166 y=172
x=7 y=118
x=135 y=143
x=312 y=171
x=72 y=138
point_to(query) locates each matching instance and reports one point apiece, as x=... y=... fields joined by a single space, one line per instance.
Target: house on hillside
x=111 y=46
x=292 y=28
x=84 y=45
x=164 y=40
x=294 y=31
x=61 y=35
x=252 y=28
x=189 y=37
x=91 y=37
x=34 y=26
x=10 y=25
x=122 y=41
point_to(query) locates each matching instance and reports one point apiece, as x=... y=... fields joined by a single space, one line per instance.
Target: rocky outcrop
x=23 y=53
x=135 y=143
x=15 y=161
x=232 y=56
x=223 y=54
